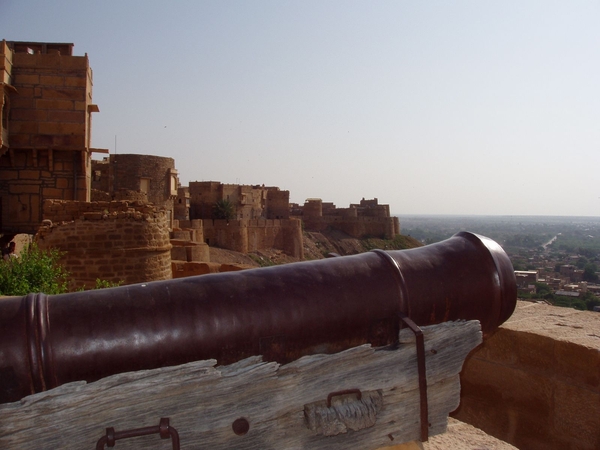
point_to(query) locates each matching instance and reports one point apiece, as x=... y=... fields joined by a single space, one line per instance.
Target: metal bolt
x=240 y=426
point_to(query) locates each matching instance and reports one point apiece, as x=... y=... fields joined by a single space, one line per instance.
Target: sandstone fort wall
x=363 y=220
x=114 y=241
x=359 y=227
x=251 y=235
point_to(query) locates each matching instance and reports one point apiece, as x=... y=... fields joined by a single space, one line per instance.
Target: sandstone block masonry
x=114 y=241
x=187 y=239
x=365 y=219
x=247 y=202
x=535 y=383
x=153 y=176
x=251 y=235
x=45 y=152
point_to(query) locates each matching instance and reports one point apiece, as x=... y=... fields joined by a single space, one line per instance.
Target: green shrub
x=34 y=270
x=103 y=284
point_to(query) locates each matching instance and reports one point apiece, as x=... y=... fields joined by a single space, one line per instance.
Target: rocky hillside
x=316 y=246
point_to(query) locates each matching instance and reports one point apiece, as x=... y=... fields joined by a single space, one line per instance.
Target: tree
x=581 y=262
x=34 y=270
x=542 y=289
x=223 y=209
x=589 y=272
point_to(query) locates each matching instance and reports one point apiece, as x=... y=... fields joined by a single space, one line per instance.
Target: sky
x=433 y=107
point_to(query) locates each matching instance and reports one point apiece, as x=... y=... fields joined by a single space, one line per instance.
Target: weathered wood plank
x=202 y=401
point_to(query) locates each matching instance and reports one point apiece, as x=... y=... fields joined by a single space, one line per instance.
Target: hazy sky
x=435 y=107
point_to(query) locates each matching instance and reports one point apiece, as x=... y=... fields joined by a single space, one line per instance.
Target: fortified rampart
x=251 y=235
x=367 y=219
x=115 y=241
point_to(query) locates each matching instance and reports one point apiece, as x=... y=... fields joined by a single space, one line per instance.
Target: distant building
x=567 y=270
x=567 y=293
x=526 y=278
x=248 y=202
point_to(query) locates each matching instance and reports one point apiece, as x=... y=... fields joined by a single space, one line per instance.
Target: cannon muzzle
x=280 y=312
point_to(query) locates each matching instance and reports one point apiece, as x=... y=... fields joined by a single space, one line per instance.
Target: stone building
x=248 y=202
x=181 y=209
x=260 y=217
x=45 y=130
x=125 y=176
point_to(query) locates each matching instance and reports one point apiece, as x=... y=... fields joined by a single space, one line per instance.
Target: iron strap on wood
x=420 y=342
x=163 y=428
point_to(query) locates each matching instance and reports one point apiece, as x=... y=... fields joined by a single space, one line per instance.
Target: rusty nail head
x=240 y=426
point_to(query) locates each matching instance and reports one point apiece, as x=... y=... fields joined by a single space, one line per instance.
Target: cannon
x=281 y=312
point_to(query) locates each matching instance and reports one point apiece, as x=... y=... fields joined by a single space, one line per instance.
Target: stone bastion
x=117 y=241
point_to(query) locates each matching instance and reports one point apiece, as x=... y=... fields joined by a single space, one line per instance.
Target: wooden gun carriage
x=319 y=336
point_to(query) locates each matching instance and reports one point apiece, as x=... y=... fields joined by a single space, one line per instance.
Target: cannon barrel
x=280 y=312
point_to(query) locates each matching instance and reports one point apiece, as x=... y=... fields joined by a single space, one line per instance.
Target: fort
x=45 y=155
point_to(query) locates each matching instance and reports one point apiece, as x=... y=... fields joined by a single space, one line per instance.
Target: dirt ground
x=316 y=246
x=462 y=436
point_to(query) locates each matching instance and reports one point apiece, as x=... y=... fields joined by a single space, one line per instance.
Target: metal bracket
x=420 y=342
x=163 y=428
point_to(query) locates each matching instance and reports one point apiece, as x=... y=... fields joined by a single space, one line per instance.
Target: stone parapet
x=65 y=211
x=535 y=382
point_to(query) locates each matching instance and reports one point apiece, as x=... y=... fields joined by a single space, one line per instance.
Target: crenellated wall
x=116 y=241
x=366 y=219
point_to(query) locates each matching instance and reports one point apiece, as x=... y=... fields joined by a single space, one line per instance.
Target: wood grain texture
x=202 y=401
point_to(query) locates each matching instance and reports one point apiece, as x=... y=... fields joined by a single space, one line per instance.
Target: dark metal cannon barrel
x=281 y=312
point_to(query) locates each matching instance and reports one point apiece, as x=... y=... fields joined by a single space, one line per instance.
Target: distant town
x=556 y=259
